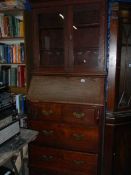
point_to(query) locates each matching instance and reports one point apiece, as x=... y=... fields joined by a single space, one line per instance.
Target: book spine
x=20 y=103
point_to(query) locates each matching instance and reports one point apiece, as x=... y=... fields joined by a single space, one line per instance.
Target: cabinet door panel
x=86 y=36
x=49 y=36
x=124 y=96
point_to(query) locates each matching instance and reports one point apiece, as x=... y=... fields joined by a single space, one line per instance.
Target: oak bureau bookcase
x=67 y=100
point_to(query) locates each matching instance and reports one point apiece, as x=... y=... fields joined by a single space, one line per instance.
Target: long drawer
x=69 y=113
x=46 y=171
x=58 y=159
x=67 y=136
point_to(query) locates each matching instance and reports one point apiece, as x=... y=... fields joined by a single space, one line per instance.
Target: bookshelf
x=12 y=54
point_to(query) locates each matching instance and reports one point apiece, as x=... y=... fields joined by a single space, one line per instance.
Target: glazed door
x=124 y=97
x=69 y=38
x=87 y=38
x=49 y=38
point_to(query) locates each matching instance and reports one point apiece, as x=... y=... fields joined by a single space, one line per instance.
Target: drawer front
x=82 y=114
x=55 y=159
x=46 y=171
x=46 y=111
x=65 y=136
x=49 y=134
x=82 y=139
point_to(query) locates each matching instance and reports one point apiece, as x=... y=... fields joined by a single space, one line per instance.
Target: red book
x=21 y=76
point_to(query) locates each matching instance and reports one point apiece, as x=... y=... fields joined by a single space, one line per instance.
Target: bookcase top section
x=66 y=89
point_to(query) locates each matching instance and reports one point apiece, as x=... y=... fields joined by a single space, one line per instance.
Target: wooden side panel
x=117 y=152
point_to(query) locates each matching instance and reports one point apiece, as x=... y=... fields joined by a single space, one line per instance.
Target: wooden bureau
x=70 y=133
x=66 y=90
x=79 y=95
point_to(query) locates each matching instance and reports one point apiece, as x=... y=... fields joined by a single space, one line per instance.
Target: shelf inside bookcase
x=12 y=64
x=18 y=90
x=12 y=40
x=14 y=12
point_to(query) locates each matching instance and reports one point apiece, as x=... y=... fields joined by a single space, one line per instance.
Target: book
x=5 y=74
x=2 y=53
x=21 y=76
x=6 y=25
x=13 y=76
x=22 y=52
x=21 y=28
x=1 y=25
x=20 y=103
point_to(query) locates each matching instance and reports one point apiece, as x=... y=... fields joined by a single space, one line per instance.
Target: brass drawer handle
x=47 y=132
x=47 y=158
x=47 y=113
x=98 y=115
x=78 y=137
x=79 y=162
x=78 y=115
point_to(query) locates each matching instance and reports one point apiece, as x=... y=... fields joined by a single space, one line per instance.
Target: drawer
x=82 y=139
x=55 y=159
x=47 y=171
x=45 y=111
x=49 y=133
x=67 y=136
x=82 y=114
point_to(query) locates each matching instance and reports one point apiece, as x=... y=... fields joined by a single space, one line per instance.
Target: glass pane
x=51 y=26
x=125 y=67
x=86 y=35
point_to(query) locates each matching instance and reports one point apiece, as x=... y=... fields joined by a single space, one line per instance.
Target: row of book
x=11 y=26
x=13 y=75
x=12 y=4
x=12 y=53
x=20 y=101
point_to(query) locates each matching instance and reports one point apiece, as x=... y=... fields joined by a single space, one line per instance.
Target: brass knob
x=47 y=132
x=78 y=137
x=47 y=113
x=78 y=115
x=79 y=162
x=47 y=158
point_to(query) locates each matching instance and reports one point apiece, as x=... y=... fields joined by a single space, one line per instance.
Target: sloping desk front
x=11 y=148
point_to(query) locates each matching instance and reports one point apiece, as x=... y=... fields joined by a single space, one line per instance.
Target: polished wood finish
x=81 y=111
x=55 y=159
x=65 y=136
x=66 y=92
x=117 y=152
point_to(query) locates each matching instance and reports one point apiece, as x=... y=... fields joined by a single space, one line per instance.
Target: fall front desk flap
x=67 y=89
